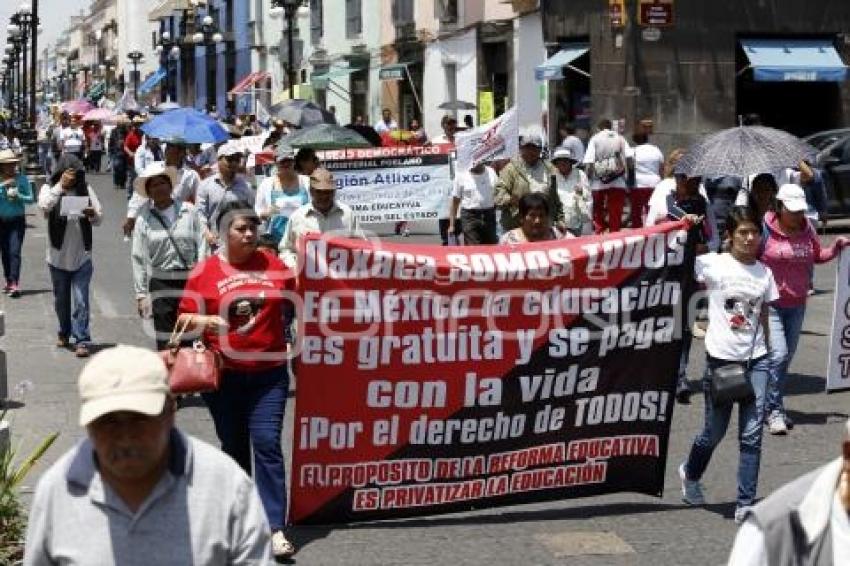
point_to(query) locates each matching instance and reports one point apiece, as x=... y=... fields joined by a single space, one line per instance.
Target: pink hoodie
x=791 y=258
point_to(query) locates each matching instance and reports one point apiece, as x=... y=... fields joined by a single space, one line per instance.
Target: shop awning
x=247 y=83
x=553 y=67
x=153 y=80
x=165 y=8
x=801 y=60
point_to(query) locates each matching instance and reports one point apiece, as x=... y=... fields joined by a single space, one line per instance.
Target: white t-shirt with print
x=72 y=140
x=475 y=191
x=736 y=293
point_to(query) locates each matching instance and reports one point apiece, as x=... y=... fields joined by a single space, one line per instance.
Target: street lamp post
x=72 y=73
x=289 y=9
x=136 y=57
x=168 y=51
x=105 y=68
x=208 y=35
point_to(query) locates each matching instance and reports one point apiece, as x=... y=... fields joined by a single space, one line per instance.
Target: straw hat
x=155 y=169
x=9 y=156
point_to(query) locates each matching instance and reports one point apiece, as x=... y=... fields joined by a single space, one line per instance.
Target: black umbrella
x=367 y=132
x=744 y=151
x=457 y=105
x=301 y=113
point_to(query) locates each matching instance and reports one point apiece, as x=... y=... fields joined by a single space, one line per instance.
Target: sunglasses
x=233 y=158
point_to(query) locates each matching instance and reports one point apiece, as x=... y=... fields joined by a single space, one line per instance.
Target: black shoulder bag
x=729 y=382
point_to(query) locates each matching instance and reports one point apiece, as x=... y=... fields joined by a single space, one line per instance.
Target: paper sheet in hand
x=73 y=206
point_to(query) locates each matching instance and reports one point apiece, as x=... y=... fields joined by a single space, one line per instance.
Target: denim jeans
x=12 y=231
x=750 y=421
x=247 y=411
x=71 y=288
x=786 y=323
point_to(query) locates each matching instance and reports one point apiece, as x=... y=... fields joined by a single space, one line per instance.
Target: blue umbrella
x=185 y=125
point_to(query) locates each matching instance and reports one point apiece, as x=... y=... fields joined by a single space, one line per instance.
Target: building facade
x=700 y=69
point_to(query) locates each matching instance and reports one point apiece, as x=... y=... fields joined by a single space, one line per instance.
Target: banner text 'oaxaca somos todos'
x=435 y=379
x=391 y=184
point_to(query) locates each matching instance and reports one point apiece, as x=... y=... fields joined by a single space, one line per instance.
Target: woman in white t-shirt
x=280 y=195
x=649 y=167
x=739 y=289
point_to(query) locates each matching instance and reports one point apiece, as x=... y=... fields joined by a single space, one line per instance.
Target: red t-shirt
x=133 y=140
x=251 y=297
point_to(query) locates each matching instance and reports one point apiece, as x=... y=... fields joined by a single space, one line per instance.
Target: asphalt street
x=617 y=529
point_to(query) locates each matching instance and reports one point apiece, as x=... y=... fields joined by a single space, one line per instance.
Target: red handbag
x=191 y=369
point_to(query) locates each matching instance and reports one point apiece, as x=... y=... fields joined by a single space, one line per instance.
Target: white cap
x=531 y=138
x=229 y=149
x=563 y=153
x=124 y=378
x=793 y=197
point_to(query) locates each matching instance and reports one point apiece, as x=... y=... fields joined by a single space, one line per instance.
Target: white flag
x=497 y=140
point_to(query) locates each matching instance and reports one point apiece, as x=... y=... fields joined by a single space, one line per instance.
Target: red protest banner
x=436 y=379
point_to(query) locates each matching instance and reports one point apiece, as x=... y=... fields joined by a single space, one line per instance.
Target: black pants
x=479 y=226
x=165 y=298
x=444 y=230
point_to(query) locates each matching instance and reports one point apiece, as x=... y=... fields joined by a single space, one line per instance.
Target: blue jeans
x=12 y=231
x=72 y=288
x=750 y=421
x=247 y=411
x=786 y=323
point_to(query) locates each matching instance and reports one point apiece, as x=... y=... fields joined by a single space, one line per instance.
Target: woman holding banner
x=791 y=250
x=237 y=299
x=739 y=288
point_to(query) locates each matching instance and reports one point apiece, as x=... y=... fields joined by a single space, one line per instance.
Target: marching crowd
x=213 y=255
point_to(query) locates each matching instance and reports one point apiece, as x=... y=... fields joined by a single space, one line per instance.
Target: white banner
x=411 y=183
x=838 y=364
x=498 y=139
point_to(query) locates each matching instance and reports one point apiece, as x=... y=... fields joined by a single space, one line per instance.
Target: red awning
x=249 y=81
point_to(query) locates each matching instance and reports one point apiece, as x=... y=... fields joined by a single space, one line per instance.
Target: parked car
x=834 y=160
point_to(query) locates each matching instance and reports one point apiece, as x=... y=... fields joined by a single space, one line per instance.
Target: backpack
x=610 y=162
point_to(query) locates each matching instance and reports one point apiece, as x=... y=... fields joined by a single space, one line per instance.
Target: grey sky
x=54 y=15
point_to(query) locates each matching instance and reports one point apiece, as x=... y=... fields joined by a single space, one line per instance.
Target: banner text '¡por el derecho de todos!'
x=436 y=379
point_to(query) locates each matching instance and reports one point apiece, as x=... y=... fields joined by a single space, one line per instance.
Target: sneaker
x=776 y=423
x=741 y=514
x=691 y=489
x=82 y=351
x=62 y=342
x=788 y=422
x=281 y=547
x=14 y=291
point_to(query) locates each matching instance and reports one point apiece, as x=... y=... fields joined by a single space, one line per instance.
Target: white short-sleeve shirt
x=736 y=293
x=475 y=191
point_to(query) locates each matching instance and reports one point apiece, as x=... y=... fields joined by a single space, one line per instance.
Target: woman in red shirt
x=238 y=298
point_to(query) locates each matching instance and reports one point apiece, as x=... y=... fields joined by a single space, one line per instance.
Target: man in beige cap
x=322 y=215
x=137 y=490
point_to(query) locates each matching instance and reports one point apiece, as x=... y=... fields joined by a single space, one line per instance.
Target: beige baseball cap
x=123 y=378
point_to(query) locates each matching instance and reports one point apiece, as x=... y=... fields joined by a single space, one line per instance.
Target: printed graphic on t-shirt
x=243 y=311
x=741 y=302
x=739 y=312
